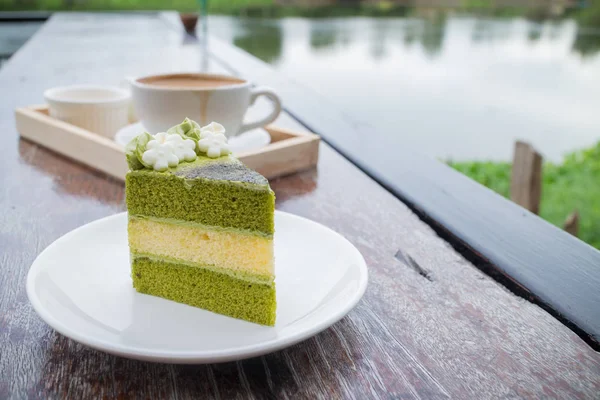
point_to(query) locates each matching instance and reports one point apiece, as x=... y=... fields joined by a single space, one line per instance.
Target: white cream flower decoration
x=213 y=127
x=183 y=148
x=213 y=141
x=160 y=153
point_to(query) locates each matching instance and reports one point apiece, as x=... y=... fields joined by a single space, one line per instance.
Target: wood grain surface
x=533 y=258
x=431 y=325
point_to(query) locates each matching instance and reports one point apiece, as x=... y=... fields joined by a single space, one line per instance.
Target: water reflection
x=264 y=40
x=379 y=41
x=455 y=87
x=489 y=30
x=411 y=31
x=534 y=34
x=432 y=36
x=322 y=36
x=586 y=45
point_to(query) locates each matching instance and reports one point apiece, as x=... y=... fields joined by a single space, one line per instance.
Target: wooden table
x=431 y=325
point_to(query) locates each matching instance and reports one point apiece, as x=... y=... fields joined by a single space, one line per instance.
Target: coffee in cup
x=189 y=81
x=161 y=101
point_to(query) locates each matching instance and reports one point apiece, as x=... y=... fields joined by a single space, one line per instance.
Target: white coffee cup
x=99 y=109
x=161 y=101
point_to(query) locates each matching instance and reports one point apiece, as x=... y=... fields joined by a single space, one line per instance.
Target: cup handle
x=271 y=95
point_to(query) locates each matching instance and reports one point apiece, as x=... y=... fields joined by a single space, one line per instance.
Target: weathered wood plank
x=458 y=334
x=530 y=256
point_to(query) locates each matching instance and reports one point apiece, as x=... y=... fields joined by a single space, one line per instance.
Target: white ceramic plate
x=80 y=285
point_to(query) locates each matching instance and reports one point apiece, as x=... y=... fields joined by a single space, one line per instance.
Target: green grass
x=572 y=185
x=251 y=8
x=214 y=6
x=589 y=16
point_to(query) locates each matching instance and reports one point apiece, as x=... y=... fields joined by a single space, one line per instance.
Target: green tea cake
x=201 y=223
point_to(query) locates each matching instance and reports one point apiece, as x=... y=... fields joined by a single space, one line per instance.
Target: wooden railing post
x=526 y=179
x=572 y=223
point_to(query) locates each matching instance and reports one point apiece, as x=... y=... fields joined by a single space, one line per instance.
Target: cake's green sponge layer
x=224 y=203
x=206 y=289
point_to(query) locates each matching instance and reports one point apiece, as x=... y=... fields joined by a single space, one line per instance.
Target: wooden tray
x=288 y=152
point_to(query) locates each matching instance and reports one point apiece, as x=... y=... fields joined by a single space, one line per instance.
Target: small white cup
x=99 y=109
x=160 y=107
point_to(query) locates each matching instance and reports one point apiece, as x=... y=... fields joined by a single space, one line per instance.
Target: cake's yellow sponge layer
x=239 y=252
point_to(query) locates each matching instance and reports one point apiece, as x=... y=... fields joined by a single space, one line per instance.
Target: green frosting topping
x=135 y=150
x=188 y=129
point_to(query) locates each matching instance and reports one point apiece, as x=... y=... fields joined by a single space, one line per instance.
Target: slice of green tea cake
x=201 y=223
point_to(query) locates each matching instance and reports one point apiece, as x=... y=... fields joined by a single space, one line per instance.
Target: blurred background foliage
x=571 y=185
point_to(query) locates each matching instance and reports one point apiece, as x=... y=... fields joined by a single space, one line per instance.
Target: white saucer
x=80 y=285
x=247 y=141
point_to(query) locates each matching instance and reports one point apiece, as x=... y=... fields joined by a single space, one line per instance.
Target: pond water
x=461 y=87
